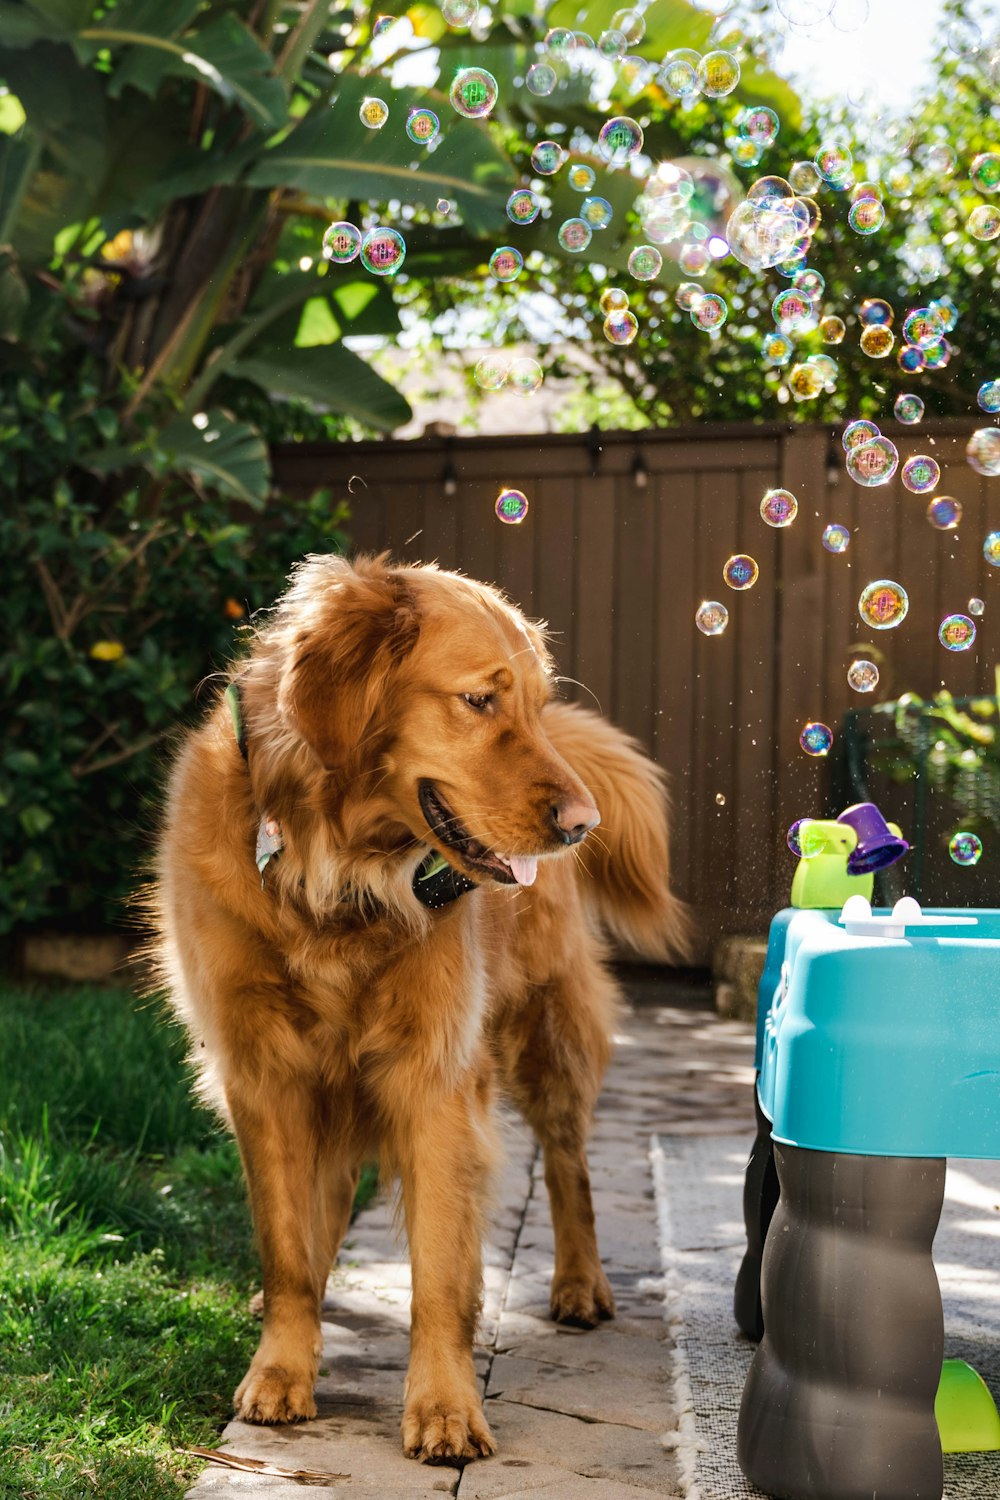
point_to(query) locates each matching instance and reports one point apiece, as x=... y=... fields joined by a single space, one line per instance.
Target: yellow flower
x=107 y=650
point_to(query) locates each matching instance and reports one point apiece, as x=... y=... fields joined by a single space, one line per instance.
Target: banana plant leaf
x=332 y=377
x=223 y=454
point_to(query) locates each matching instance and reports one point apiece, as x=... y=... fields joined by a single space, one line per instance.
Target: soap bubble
x=709 y=312
x=711 y=617
x=613 y=300
x=678 y=75
x=645 y=262
x=866 y=216
x=816 y=738
x=574 y=235
x=547 y=157
x=779 y=507
x=836 y=538
x=991 y=549
x=506 y=263
x=694 y=259
x=858 y=432
x=540 y=79
x=875 y=310
x=523 y=206
x=810 y=282
x=988 y=396
x=832 y=330
x=908 y=408
x=911 y=359
x=631 y=23
x=474 y=93
x=873 y=463
x=511 y=506
x=581 y=178
x=791 y=310
x=983 y=450
x=804 y=178
x=805 y=839
x=965 y=848
x=761 y=235
x=718 y=74
x=596 y=212
x=490 y=372
x=620 y=327
x=923 y=326
x=459 y=14
x=619 y=139
x=744 y=152
x=976 y=607
x=984 y=222
x=984 y=171
x=558 y=42
x=383 y=251
x=920 y=473
x=382 y=23
x=883 y=604
x=612 y=44
x=776 y=349
x=443 y=206
x=740 y=572
x=759 y=124
x=342 y=243
x=957 y=632
x=373 y=113
x=862 y=676
x=422 y=126
x=944 y=512
x=877 y=341
x=524 y=376
x=834 y=162
x=806 y=380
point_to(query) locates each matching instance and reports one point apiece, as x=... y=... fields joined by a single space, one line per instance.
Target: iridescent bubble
x=779 y=508
x=620 y=327
x=769 y=191
x=718 y=74
x=940 y=160
x=582 y=42
x=612 y=44
x=645 y=262
x=744 y=152
x=836 y=538
x=858 y=432
x=613 y=300
x=936 y=356
x=422 y=126
x=540 y=79
x=874 y=310
x=581 y=178
x=862 y=676
x=957 y=632
x=547 y=157
x=864 y=190
x=877 y=341
x=964 y=37
x=631 y=24
x=873 y=463
x=709 y=312
x=511 y=506
x=988 y=396
x=920 y=473
x=687 y=294
x=799 y=841
x=816 y=738
x=991 y=549
x=832 y=329
x=923 y=327
x=382 y=23
x=805 y=178
x=866 y=216
x=524 y=376
x=619 y=139
x=506 y=263
x=944 y=512
x=523 y=206
x=342 y=243
x=678 y=75
x=806 y=381
x=373 y=113
x=984 y=171
x=883 y=604
x=694 y=259
x=791 y=310
x=474 y=93
x=558 y=42
x=574 y=235
x=711 y=617
x=899 y=180
x=760 y=234
x=443 y=206
x=459 y=14
x=383 y=251
x=490 y=372
x=984 y=222
x=908 y=408
x=946 y=310
x=776 y=349
x=965 y=848
x=759 y=124
x=983 y=450
x=596 y=212
x=809 y=281
x=740 y=572
x=976 y=607
x=911 y=359
x=834 y=162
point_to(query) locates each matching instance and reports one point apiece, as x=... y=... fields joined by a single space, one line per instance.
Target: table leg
x=839 y=1400
x=760 y=1198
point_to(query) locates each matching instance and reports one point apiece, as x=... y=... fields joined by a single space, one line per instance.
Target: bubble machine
x=878 y=1057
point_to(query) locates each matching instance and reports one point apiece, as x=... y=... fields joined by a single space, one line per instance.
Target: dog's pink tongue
x=524 y=868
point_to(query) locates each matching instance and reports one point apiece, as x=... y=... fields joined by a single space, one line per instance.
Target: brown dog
x=358 y=999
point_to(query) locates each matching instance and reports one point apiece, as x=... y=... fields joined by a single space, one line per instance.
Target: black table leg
x=760 y=1198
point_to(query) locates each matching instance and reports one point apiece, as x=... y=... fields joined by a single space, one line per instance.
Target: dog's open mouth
x=507 y=869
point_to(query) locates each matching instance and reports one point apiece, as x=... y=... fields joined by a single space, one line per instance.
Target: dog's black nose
x=574 y=820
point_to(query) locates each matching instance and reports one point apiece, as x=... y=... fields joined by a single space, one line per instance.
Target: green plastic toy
x=966 y=1413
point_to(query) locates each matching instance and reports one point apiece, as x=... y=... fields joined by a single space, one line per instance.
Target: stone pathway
x=575 y=1414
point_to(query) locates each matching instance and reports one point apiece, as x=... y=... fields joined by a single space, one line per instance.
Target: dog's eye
x=479 y=701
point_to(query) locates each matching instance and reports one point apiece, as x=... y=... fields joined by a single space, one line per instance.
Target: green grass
x=126 y=1255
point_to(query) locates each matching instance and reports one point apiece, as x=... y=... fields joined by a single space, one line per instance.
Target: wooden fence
x=627 y=533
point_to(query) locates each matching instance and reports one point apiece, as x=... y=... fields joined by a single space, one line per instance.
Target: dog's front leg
x=446 y=1154
x=275 y=1126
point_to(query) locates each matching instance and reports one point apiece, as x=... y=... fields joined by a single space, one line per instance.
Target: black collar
x=435 y=882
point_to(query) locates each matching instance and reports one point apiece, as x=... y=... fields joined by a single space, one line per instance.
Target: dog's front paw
x=443 y=1431
x=582 y=1301
x=270 y=1393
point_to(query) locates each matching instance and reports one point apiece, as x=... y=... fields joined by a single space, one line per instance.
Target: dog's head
x=437 y=684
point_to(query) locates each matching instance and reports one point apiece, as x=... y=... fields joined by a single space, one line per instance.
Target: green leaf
x=228 y=456
x=35 y=821
x=332 y=377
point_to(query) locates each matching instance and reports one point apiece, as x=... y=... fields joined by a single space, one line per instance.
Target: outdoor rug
x=699 y=1185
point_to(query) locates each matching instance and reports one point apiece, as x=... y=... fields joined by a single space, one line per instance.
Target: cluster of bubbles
x=381 y=250
x=523 y=375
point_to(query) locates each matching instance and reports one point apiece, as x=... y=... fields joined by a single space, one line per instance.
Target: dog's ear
x=342 y=662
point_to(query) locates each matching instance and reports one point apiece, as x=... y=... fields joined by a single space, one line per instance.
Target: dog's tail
x=625 y=863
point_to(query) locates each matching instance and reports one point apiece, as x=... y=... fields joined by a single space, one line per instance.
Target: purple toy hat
x=877 y=845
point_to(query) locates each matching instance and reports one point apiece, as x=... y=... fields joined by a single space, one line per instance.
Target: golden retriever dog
x=373 y=909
